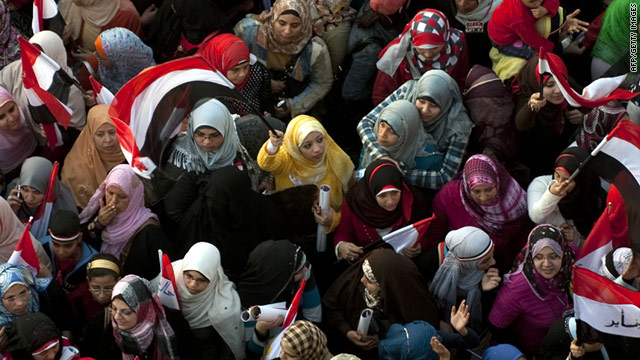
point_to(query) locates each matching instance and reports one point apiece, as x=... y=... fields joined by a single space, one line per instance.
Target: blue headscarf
x=411 y=341
x=502 y=352
x=16 y=274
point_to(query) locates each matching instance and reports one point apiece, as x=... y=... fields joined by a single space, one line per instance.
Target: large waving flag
x=598 y=93
x=41 y=220
x=275 y=348
x=42 y=10
x=24 y=253
x=47 y=88
x=167 y=288
x=100 y=93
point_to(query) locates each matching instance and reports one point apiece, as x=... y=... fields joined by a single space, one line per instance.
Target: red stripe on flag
x=49 y=195
x=24 y=253
x=597 y=288
x=128 y=143
x=38 y=11
x=627 y=131
x=293 y=309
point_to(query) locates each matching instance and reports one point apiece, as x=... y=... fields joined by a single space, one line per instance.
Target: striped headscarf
x=11 y=275
x=305 y=341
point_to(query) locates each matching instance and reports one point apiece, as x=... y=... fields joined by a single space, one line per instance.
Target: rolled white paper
x=264 y=312
x=324 y=197
x=365 y=320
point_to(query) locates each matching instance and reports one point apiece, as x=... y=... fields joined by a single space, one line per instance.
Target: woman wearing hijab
x=306 y=154
x=426 y=43
x=537 y=293
x=17 y=140
x=466 y=273
x=30 y=188
x=304 y=340
x=385 y=282
x=37 y=337
x=118 y=223
x=8 y=37
x=546 y=121
x=472 y=16
x=94 y=154
x=488 y=198
x=139 y=322
x=379 y=203
x=572 y=206
x=299 y=64
x=437 y=97
x=400 y=133
x=209 y=303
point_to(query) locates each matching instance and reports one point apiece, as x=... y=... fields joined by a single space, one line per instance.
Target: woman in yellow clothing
x=306 y=154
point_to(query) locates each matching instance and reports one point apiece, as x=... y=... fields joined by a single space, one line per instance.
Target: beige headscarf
x=85 y=167
x=267 y=19
x=93 y=13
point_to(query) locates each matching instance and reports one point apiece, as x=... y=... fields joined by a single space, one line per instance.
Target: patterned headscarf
x=122 y=228
x=615 y=262
x=267 y=19
x=128 y=54
x=428 y=29
x=510 y=202
x=305 y=340
x=10 y=50
x=329 y=14
x=151 y=326
x=11 y=275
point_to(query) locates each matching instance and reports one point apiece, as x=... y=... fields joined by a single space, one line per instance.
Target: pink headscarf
x=15 y=145
x=122 y=228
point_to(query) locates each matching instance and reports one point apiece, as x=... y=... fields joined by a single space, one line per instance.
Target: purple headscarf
x=9 y=48
x=15 y=145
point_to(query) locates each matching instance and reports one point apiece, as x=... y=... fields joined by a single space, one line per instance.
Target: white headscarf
x=219 y=304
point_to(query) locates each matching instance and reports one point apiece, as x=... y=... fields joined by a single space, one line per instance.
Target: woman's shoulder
x=247 y=28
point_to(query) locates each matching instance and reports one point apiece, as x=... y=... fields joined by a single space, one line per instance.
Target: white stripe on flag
x=626 y=153
x=32 y=97
x=43 y=68
x=39 y=227
x=402 y=238
x=618 y=319
x=593 y=260
x=17 y=259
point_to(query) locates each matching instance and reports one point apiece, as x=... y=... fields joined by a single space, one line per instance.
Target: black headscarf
x=31 y=332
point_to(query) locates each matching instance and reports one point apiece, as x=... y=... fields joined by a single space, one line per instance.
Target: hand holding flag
x=101 y=94
x=275 y=348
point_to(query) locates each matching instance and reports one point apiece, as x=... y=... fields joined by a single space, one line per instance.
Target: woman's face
x=123 y=315
x=429 y=54
x=547 y=262
x=466 y=6
x=106 y=139
x=428 y=110
x=287 y=28
x=389 y=200
x=484 y=194
x=208 y=139
x=561 y=176
x=313 y=146
x=101 y=288
x=9 y=116
x=238 y=73
x=118 y=198
x=16 y=299
x=552 y=93
x=194 y=281
x=32 y=197
x=107 y=63
x=386 y=135
x=487 y=262
x=373 y=288
x=49 y=354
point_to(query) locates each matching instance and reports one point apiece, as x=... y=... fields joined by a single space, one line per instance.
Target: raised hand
x=460 y=318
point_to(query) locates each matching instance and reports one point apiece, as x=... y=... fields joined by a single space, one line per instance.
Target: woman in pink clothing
x=536 y=294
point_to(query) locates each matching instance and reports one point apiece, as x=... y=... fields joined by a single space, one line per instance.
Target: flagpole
x=591 y=156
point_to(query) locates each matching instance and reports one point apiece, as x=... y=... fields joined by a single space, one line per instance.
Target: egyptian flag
x=41 y=220
x=167 y=288
x=25 y=254
x=142 y=109
x=47 y=88
x=409 y=235
x=598 y=93
x=275 y=348
x=617 y=160
x=43 y=11
x=100 y=93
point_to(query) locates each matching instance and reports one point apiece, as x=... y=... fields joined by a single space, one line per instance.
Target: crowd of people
x=358 y=118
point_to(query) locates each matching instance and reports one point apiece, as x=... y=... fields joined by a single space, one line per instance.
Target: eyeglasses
x=209 y=137
x=23 y=296
x=98 y=290
x=123 y=313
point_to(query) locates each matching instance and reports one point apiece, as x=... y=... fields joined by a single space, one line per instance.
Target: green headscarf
x=613 y=39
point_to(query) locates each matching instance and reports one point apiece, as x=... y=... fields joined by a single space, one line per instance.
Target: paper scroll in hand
x=264 y=312
x=324 y=195
x=365 y=320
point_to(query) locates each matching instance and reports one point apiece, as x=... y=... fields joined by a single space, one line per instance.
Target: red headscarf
x=225 y=51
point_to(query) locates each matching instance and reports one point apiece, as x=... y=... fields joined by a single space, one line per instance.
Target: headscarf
x=53 y=47
x=128 y=54
x=219 y=304
x=125 y=224
x=428 y=29
x=306 y=341
x=225 y=51
x=36 y=333
x=90 y=13
x=329 y=14
x=439 y=87
x=459 y=273
x=15 y=145
x=380 y=175
x=387 y=7
x=36 y=173
x=598 y=123
x=540 y=237
x=482 y=12
x=187 y=155
x=11 y=275
x=9 y=50
x=615 y=262
x=85 y=167
x=502 y=352
x=308 y=172
x=404 y=119
x=152 y=326
x=411 y=341
x=510 y=202
x=267 y=19
x=614 y=35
